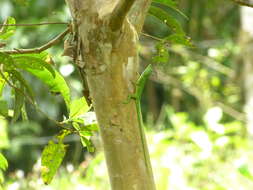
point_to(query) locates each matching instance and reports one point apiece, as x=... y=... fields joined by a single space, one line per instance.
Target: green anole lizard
x=137 y=97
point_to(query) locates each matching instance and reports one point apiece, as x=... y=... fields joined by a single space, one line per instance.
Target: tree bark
x=109 y=50
x=246 y=37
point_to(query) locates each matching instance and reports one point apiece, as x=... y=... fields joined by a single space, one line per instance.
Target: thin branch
x=152 y=37
x=232 y=112
x=247 y=3
x=35 y=24
x=46 y=46
x=119 y=13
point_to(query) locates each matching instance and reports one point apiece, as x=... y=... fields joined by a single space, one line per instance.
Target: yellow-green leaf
x=3 y=108
x=78 y=107
x=87 y=143
x=7 y=31
x=3 y=162
x=56 y=84
x=52 y=157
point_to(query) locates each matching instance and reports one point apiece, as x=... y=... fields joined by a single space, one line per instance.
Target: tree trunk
x=246 y=38
x=109 y=50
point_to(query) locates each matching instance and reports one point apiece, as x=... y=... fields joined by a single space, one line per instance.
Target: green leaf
x=3 y=108
x=4 y=141
x=87 y=143
x=56 y=84
x=33 y=61
x=22 y=2
x=78 y=107
x=244 y=170
x=178 y=39
x=76 y=126
x=85 y=133
x=169 y=3
x=7 y=61
x=167 y=19
x=3 y=162
x=1 y=179
x=19 y=102
x=162 y=55
x=92 y=127
x=7 y=31
x=2 y=84
x=24 y=113
x=62 y=134
x=52 y=157
x=15 y=75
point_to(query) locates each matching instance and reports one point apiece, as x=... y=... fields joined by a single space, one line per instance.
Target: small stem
x=39 y=49
x=35 y=24
x=248 y=3
x=150 y=36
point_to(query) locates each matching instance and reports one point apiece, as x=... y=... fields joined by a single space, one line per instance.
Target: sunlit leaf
x=52 y=157
x=1 y=179
x=7 y=61
x=57 y=84
x=78 y=107
x=29 y=62
x=3 y=162
x=87 y=143
x=2 y=84
x=63 y=133
x=3 y=108
x=92 y=127
x=244 y=170
x=4 y=141
x=167 y=19
x=7 y=31
x=85 y=133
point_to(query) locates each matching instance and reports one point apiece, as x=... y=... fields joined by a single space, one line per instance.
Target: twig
x=150 y=36
x=39 y=49
x=231 y=111
x=248 y=3
x=36 y=24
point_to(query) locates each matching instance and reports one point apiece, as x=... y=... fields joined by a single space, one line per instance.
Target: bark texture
x=109 y=50
x=246 y=38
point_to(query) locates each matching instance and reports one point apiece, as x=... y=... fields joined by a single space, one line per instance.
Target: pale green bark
x=111 y=65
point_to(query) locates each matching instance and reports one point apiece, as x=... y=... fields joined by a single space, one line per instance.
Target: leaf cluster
x=13 y=69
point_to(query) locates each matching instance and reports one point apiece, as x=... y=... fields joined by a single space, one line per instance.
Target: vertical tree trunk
x=109 y=50
x=247 y=49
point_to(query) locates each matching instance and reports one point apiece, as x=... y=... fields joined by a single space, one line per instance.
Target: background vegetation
x=193 y=106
